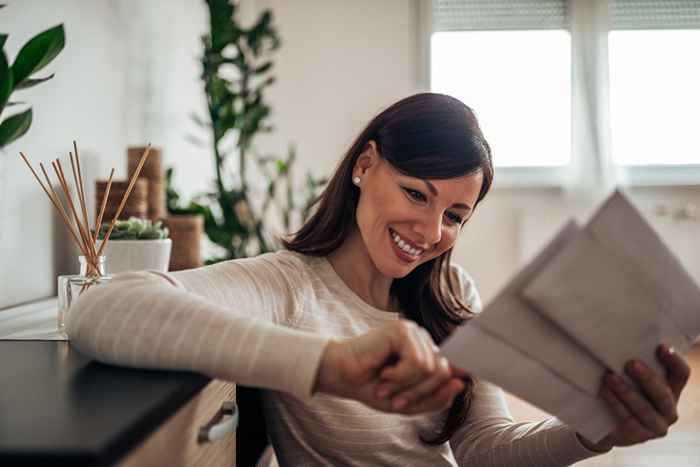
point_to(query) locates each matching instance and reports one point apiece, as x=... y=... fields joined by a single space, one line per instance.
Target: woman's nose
x=430 y=229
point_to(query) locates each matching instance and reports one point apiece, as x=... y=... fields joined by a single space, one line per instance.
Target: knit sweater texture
x=264 y=322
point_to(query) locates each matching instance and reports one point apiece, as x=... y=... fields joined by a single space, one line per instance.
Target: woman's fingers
x=656 y=389
x=427 y=346
x=677 y=369
x=630 y=430
x=458 y=372
x=416 y=359
x=421 y=390
x=438 y=400
x=396 y=368
x=638 y=406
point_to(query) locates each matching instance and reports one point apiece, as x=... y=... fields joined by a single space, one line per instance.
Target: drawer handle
x=217 y=429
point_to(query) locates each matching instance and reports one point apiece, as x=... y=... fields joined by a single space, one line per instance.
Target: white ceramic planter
x=137 y=255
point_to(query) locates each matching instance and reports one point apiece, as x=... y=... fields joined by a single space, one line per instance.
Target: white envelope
x=511 y=319
x=489 y=358
x=618 y=290
x=514 y=347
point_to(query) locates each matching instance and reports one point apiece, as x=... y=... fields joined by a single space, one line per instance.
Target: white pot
x=137 y=255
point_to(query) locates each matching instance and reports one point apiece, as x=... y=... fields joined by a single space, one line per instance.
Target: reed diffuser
x=75 y=217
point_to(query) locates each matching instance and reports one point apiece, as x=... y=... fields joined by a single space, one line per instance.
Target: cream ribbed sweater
x=264 y=322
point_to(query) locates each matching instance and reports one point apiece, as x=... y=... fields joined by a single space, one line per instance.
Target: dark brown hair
x=428 y=136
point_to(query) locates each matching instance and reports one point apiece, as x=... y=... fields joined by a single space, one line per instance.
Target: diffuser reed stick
x=98 y=221
x=54 y=199
x=76 y=220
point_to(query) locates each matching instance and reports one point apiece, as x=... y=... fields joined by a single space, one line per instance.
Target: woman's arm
x=219 y=320
x=224 y=321
x=490 y=436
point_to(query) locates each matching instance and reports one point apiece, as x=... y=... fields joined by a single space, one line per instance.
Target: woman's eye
x=454 y=218
x=417 y=195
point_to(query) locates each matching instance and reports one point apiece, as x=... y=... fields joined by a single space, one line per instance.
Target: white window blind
x=492 y=15
x=654 y=14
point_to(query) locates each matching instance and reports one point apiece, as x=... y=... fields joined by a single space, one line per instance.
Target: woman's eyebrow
x=434 y=191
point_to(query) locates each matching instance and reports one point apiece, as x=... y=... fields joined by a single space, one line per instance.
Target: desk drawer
x=175 y=443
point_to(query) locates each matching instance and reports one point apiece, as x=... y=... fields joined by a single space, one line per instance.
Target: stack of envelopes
x=592 y=299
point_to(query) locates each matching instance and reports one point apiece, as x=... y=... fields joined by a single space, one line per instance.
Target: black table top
x=58 y=407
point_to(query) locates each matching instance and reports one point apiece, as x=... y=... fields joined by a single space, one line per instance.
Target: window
x=564 y=87
x=654 y=96
x=519 y=85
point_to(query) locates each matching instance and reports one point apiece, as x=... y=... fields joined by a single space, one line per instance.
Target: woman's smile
x=403 y=249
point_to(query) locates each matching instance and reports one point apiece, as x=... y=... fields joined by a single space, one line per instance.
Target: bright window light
x=655 y=97
x=519 y=85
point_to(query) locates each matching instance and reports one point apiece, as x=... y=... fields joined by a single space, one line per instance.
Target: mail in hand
x=594 y=297
x=618 y=290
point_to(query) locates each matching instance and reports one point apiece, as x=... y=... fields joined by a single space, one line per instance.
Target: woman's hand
x=398 y=359
x=644 y=418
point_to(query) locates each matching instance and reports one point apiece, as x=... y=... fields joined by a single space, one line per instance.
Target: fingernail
x=640 y=368
x=667 y=349
x=617 y=381
x=399 y=403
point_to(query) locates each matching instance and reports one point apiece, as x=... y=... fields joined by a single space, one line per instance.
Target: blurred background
x=575 y=97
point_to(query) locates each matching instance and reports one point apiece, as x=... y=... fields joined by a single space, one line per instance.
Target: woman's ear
x=371 y=146
x=367 y=158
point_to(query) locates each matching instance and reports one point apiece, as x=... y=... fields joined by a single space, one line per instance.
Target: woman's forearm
x=141 y=319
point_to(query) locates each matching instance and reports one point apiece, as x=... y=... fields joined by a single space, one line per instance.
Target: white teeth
x=405 y=246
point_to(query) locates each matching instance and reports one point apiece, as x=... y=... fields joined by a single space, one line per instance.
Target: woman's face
x=405 y=221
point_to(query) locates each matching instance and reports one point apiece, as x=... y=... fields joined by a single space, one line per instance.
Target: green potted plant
x=136 y=244
x=236 y=71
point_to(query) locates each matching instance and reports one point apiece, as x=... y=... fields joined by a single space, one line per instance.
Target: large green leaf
x=15 y=126
x=28 y=83
x=5 y=80
x=3 y=38
x=38 y=52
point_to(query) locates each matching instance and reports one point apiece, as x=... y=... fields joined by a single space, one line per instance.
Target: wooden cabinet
x=176 y=443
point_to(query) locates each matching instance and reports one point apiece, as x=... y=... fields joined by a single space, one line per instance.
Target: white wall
x=130 y=74
x=85 y=101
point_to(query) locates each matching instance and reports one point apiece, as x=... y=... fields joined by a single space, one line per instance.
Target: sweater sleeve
x=226 y=321
x=490 y=437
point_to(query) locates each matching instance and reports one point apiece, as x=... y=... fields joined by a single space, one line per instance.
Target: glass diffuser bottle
x=71 y=286
x=92 y=263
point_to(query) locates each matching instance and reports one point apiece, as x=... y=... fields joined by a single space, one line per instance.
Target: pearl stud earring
x=356 y=180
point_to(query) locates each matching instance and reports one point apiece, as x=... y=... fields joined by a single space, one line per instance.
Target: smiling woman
x=418 y=170
x=341 y=329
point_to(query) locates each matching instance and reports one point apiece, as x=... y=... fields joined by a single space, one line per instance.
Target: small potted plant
x=137 y=244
